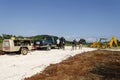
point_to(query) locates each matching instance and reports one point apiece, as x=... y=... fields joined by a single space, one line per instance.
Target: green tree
x=6 y=36
x=83 y=41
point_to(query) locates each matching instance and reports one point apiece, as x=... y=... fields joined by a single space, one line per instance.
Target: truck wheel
x=2 y=53
x=24 y=51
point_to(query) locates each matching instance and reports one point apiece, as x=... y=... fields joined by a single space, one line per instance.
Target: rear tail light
x=34 y=47
x=7 y=48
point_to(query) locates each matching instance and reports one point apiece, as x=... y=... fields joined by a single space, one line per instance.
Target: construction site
x=101 y=64
x=59 y=39
x=99 y=60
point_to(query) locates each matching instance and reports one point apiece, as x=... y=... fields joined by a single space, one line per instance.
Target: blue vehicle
x=46 y=43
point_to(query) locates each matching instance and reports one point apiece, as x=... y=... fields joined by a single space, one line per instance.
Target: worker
x=80 y=44
x=58 y=43
x=62 y=43
x=74 y=44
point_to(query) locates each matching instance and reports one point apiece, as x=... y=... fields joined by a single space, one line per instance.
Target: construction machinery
x=102 y=43
x=113 y=41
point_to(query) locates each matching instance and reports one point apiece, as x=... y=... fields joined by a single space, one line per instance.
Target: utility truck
x=21 y=46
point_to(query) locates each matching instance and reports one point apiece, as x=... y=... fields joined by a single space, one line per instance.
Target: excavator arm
x=113 y=40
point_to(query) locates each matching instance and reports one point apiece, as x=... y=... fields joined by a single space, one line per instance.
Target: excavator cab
x=103 y=43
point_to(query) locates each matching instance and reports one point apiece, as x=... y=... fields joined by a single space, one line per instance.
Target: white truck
x=21 y=46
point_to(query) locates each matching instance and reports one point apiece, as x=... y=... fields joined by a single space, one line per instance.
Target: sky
x=69 y=18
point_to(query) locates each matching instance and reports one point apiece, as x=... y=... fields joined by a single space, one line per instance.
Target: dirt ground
x=94 y=65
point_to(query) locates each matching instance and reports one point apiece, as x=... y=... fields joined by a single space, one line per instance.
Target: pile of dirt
x=94 y=65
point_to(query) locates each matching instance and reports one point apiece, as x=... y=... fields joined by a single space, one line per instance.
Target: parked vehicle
x=21 y=46
x=47 y=43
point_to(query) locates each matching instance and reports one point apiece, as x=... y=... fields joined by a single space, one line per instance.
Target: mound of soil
x=94 y=65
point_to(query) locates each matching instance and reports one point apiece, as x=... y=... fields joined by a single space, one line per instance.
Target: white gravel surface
x=17 y=67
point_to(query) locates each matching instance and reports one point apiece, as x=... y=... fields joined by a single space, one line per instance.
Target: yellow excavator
x=103 y=43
